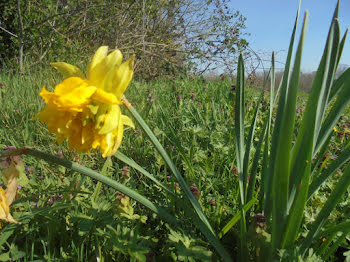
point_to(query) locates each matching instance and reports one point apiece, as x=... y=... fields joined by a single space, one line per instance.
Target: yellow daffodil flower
x=86 y=110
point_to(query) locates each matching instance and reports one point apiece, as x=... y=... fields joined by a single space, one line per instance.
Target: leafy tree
x=167 y=37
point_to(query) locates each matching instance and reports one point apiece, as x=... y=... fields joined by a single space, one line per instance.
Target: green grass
x=196 y=120
x=68 y=217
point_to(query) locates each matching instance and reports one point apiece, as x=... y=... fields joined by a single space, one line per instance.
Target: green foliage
x=162 y=34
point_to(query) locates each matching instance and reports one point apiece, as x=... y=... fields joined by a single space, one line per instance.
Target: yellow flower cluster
x=86 y=110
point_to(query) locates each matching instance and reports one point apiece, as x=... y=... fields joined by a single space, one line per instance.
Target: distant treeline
x=167 y=36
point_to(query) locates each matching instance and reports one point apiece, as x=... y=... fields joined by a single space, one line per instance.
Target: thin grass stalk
x=98 y=186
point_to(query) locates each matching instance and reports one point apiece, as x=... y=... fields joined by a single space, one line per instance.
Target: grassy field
x=65 y=216
x=212 y=171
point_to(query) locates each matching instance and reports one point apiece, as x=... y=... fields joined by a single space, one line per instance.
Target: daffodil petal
x=104 y=142
x=98 y=56
x=71 y=95
x=108 y=82
x=47 y=96
x=107 y=120
x=119 y=137
x=115 y=58
x=100 y=70
x=69 y=84
x=127 y=121
x=76 y=100
x=67 y=70
x=105 y=97
x=123 y=77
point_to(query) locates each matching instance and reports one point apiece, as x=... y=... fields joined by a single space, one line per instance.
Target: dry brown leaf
x=10 y=173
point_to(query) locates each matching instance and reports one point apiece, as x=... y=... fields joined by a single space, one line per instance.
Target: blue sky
x=270 y=24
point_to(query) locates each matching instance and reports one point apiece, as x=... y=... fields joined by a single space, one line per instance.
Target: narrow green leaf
x=336 y=112
x=331 y=251
x=307 y=134
x=314 y=108
x=254 y=168
x=336 y=165
x=134 y=165
x=249 y=143
x=331 y=70
x=239 y=126
x=293 y=218
x=266 y=181
x=239 y=144
x=320 y=155
x=282 y=142
x=236 y=218
x=339 y=83
x=325 y=244
x=341 y=47
x=99 y=177
x=333 y=200
x=266 y=174
x=341 y=227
